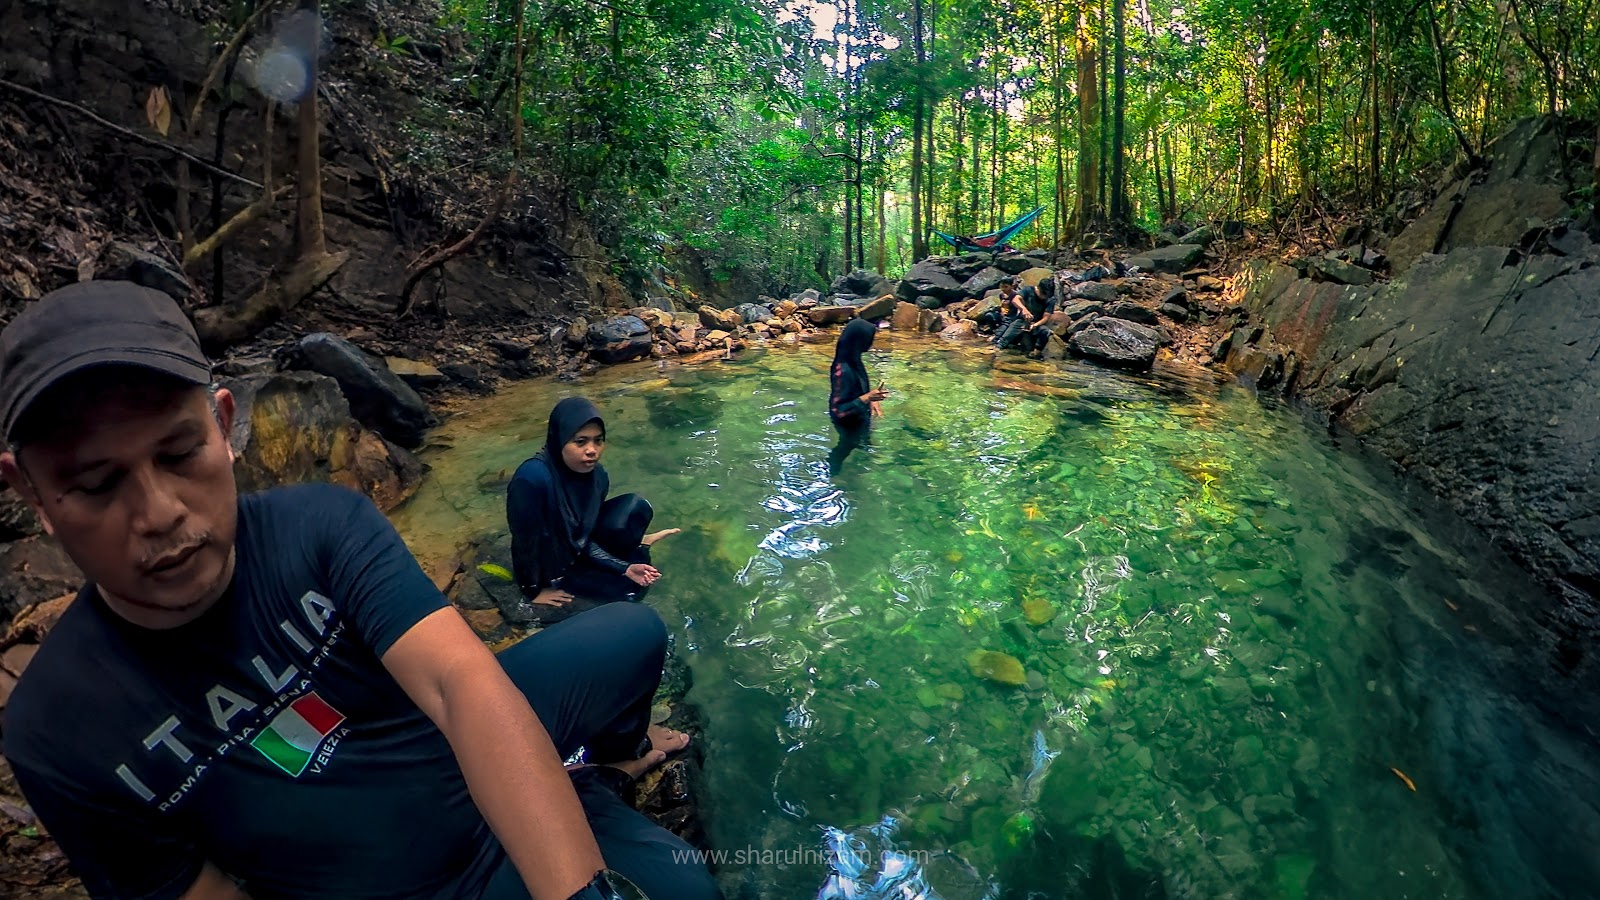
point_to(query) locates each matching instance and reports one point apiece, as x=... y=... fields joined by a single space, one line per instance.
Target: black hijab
x=849 y=373
x=577 y=496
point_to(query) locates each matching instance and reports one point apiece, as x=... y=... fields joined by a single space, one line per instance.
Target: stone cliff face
x=1473 y=368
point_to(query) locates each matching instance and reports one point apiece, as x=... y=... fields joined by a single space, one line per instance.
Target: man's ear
x=11 y=471
x=226 y=409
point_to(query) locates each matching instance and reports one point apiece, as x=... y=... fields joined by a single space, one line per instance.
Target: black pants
x=851 y=436
x=591 y=680
x=1034 y=340
x=621 y=526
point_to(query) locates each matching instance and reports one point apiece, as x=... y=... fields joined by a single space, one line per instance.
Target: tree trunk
x=1596 y=185
x=1377 y=113
x=919 y=248
x=1104 y=70
x=1088 y=133
x=930 y=181
x=1119 y=174
x=220 y=327
x=977 y=179
x=883 y=262
x=308 y=230
x=1058 y=121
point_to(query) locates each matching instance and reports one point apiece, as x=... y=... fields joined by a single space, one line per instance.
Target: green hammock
x=992 y=242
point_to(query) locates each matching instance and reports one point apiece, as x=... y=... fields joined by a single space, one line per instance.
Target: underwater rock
x=1038 y=611
x=1001 y=668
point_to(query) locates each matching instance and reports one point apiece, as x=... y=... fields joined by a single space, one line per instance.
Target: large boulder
x=966 y=265
x=1014 y=264
x=830 y=315
x=812 y=295
x=1083 y=308
x=725 y=319
x=378 y=398
x=1128 y=311
x=983 y=306
x=929 y=278
x=907 y=317
x=861 y=283
x=619 y=339
x=1098 y=291
x=1117 y=344
x=880 y=308
x=1338 y=271
x=983 y=282
x=752 y=313
x=125 y=262
x=1034 y=276
x=293 y=427
x=1174 y=260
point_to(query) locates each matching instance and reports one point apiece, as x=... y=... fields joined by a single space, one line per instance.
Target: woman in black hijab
x=567 y=539
x=853 y=401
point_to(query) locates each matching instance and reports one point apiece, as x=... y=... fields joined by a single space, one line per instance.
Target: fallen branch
x=127 y=132
x=220 y=327
x=243 y=217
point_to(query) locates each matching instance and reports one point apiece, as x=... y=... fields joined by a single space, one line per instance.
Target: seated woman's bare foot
x=665 y=532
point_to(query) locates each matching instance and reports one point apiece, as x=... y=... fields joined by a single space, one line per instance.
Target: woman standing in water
x=567 y=539
x=853 y=401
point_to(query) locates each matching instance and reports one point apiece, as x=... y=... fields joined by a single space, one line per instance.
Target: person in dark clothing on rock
x=264 y=696
x=1037 y=337
x=852 y=401
x=567 y=539
x=1027 y=309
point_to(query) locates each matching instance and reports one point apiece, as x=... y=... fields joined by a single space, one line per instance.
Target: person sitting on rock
x=1026 y=310
x=263 y=695
x=1001 y=314
x=1037 y=337
x=567 y=539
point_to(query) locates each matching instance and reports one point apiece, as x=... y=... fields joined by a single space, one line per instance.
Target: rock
x=1014 y=263
x=1178 y=296
x=1033 y=277
x=928 y=320
x=760 y=328
x=992 y=665
x=467 y=375
x=1129 y=311
x=785 y=308
x=1175 y=312
x=125 y=262
x=1038 y=612
x=33 y=570
x=830 y=315
x=927 y=301
x=752 y=313
x=1170 y=260
x=247 y=365
x=1055 y=348
x=717 y=337
x=378 y=398
x=16 y=516
x=1095 y=290
x=577 y=333
x=1034 y=681
x=510 y=349
x=1202 y=236
x=1117 y=344
x=861 y=283
x=907 y=317
x=293 y=427
x=983 y=282
x=880 y=308
x=959 y=330
x=981 y=307
x=1076 y=311
x=663 y=304
x=619 y=339
x=419 y=375
x=1210 y=283
x=725 y=319
x=930 y=279
x=1338 y=272
x=809 y=295
x=793 y=326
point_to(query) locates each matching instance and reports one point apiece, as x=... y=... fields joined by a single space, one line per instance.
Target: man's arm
x=213 y=885
x=512 y=769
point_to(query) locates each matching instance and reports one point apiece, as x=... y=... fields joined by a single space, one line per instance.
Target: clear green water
x=1229 y=630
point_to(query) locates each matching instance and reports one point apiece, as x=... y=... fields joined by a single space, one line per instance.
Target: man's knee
x=636 y=626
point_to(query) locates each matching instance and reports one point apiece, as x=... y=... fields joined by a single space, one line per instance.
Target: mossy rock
x=1039 y=612
x=1001 y=668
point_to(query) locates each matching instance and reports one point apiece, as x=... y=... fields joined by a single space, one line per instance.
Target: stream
x=1062 y=632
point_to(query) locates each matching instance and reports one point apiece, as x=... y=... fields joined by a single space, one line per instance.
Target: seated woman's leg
x=620 y=529
x=591 y=679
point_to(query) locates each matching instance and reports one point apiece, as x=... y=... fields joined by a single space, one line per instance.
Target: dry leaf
x=1403 y=777
x=158 y=109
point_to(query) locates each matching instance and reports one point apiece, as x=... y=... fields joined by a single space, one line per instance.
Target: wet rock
x=1054 y=349
x=1034 y=681
x=927 y=301
x=1338 y=272
x=33 y=570
x=467 y=375
x=992 y=665
x=510 y=349
x=1117 y=344
x=1076 y=311
x=785 y=308
x=16 y=516
x=1097 y=291
x=619 y=339
x=880 y=308
x=378 y=398
x=293 y=427
x=793 y=326
x=717 y=337
x=1171 y=260
x=125 y=262
x=983 y=282
x=725 y=319
x=907 y=317
x=928 y=320
x=1129 y=311
x=930 y=279
x=752 y=313
x=960 y=330
x=830 y=315
x=419 y=375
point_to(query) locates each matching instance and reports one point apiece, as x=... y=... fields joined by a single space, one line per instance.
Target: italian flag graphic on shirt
x=296 y=733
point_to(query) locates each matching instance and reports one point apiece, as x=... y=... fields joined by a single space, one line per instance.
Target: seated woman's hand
x=553 y=597
x=642 y=575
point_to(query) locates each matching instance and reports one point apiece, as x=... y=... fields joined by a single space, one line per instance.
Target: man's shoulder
x=312 y=499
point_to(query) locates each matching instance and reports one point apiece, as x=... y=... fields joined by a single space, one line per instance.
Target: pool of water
x=1058 y=632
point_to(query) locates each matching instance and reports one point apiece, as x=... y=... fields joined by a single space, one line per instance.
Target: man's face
x=139 y=490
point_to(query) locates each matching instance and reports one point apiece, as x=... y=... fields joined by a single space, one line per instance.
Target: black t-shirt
x=266 y=736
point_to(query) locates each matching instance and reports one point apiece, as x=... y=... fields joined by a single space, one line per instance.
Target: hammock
x=992 y=242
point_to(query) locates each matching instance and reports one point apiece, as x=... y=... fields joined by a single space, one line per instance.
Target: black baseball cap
x=93 y=323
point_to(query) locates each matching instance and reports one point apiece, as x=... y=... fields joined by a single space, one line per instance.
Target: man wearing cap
x=264 y=696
